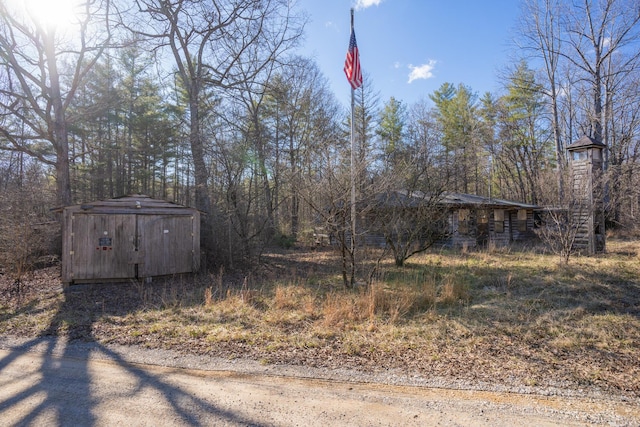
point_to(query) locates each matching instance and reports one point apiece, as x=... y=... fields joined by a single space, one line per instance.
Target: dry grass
x=501 y=316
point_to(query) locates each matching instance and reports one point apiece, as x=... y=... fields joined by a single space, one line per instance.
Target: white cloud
x=330 y=25
x=363 y=4
x=424 y=71
x=397 y=65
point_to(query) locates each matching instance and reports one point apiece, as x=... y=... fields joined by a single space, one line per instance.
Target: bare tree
x=410 y=221
x=325 y=185
x=329 y=195
x=35 y=93
x=602 y=39
x=220 y=44
x=541 y=36
x=596 y=31
x=408 y=210
x=563 y=229
x=25 y=236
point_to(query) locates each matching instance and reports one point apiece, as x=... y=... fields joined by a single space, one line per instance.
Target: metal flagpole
x=353 y=176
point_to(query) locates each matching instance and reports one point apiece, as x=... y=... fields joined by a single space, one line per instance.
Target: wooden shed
x=131 y=237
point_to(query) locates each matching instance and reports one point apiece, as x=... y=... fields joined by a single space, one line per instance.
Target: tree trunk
x=201 y=175
x=60 y=137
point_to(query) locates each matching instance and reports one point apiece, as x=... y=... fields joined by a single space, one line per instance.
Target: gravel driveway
x=48 y=381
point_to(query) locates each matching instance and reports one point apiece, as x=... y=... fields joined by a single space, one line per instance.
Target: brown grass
x=500 y=316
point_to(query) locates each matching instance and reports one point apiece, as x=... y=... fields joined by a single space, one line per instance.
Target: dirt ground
x=49 y=381
x=89 y=356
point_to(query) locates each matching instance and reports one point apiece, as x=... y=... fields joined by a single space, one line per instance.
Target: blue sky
x=455 y=41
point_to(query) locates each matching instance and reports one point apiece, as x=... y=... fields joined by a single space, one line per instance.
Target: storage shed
x=130 y=237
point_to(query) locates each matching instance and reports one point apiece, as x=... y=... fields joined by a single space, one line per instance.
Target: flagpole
x=353 y=177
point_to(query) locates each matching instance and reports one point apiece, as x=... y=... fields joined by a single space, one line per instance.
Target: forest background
x=207 y=104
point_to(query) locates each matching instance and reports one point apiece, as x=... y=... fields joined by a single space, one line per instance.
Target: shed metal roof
x=133 y=203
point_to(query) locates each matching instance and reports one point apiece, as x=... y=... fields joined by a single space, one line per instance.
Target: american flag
x=352 y=63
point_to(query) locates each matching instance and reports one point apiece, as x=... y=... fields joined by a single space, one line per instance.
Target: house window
x=522 y=220
x=463 y=221
x=483 y=216
x=498 y=219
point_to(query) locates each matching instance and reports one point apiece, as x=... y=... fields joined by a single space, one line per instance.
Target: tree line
x=206 y=103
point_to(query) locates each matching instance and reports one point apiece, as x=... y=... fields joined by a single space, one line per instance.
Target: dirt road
x=50 y=383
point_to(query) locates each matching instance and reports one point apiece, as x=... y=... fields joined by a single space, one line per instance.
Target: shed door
x=166 y=244
x=103 y=246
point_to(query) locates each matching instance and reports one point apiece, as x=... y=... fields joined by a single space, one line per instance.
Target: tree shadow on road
x=61 y=391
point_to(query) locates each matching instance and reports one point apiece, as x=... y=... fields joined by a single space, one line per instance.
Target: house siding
x=472 y=221
x=511 y=229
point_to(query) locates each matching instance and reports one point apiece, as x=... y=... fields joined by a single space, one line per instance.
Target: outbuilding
x=130 y=237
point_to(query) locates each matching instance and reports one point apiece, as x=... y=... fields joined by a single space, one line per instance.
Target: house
x=478 y=221
x=462 y=220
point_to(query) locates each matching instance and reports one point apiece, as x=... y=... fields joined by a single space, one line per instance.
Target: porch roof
x=457 y=200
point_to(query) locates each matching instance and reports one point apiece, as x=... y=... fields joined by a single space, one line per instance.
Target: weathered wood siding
x=461 y=229
x=102 y=246
x=471 y=220
x=588 y=213
x=500 y=227
x=511 y=228
x=167 y=244
x=128 y=238
x=462 y=235
x=522 y=223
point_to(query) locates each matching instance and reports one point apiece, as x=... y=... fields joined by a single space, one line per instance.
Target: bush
x=285 y=241
x=27 y=232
